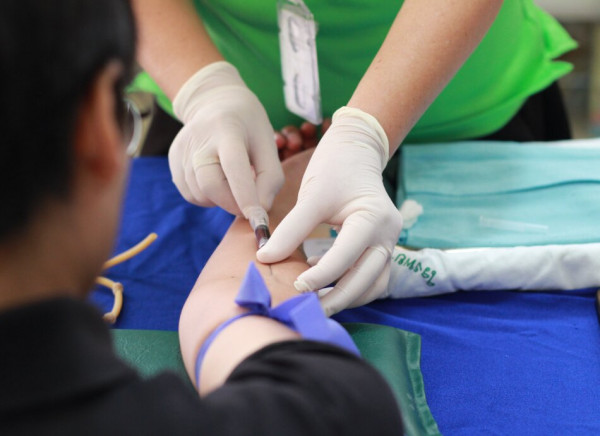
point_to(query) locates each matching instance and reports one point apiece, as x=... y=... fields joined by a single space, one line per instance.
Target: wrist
x=369 y=125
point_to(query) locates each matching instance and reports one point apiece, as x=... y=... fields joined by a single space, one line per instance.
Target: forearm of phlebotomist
x=426 y=45
x=172 y=42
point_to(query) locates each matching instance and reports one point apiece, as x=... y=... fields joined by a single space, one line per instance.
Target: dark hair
x=50 y=53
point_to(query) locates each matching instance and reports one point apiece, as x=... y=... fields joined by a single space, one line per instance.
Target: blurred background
x=581 y=88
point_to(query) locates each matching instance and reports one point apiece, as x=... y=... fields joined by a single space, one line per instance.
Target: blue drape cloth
x=493 y=363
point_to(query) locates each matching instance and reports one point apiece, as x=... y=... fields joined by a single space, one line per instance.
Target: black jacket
x=59 y=375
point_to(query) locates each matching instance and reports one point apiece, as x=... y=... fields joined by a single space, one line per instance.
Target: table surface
x=493 y=363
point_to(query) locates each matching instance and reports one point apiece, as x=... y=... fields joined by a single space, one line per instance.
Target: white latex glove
x=343 y=186
x=225 y=154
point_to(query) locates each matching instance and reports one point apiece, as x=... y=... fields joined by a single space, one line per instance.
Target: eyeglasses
x=132 y=128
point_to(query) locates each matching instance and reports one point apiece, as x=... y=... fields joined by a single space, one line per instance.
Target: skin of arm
x=172 y=42
x=211 y=301
x=426 y=45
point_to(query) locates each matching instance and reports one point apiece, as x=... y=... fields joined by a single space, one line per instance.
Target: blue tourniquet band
x=302 y=314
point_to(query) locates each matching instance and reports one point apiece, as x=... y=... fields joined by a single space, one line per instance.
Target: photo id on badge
x=297 y=41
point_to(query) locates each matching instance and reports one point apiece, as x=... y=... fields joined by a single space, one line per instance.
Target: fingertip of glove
x=266 y=255
x=302 y=286
x=332 y=304
x=262 y=255
x=328 y=310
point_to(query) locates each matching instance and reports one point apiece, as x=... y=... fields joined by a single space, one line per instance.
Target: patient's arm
x=212 y=299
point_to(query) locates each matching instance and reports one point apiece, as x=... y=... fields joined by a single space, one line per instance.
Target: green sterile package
x=501 y=194
x=395 y=353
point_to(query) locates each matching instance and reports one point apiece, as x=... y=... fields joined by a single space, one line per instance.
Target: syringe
x=259 y=221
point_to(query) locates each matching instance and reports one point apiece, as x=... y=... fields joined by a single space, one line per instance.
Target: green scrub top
x=515 y=60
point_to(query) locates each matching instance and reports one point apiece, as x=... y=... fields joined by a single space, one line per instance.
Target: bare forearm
x=173 y=43
x=211 y=301
x=427 y=44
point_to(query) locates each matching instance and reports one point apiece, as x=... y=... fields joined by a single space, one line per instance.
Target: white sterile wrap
x=548 y=267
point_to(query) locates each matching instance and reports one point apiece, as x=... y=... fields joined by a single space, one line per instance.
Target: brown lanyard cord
x=116 y=287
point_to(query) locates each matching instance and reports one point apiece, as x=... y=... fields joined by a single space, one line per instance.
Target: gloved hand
x=343 y=186
x=225 y=154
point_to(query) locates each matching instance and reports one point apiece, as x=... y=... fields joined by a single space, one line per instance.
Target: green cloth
x=395 y=353
x=514 y=60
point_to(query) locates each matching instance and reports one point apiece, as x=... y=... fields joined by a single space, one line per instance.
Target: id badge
x=297 y=42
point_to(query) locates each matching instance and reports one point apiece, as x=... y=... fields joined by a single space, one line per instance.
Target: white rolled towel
x=418 y=273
